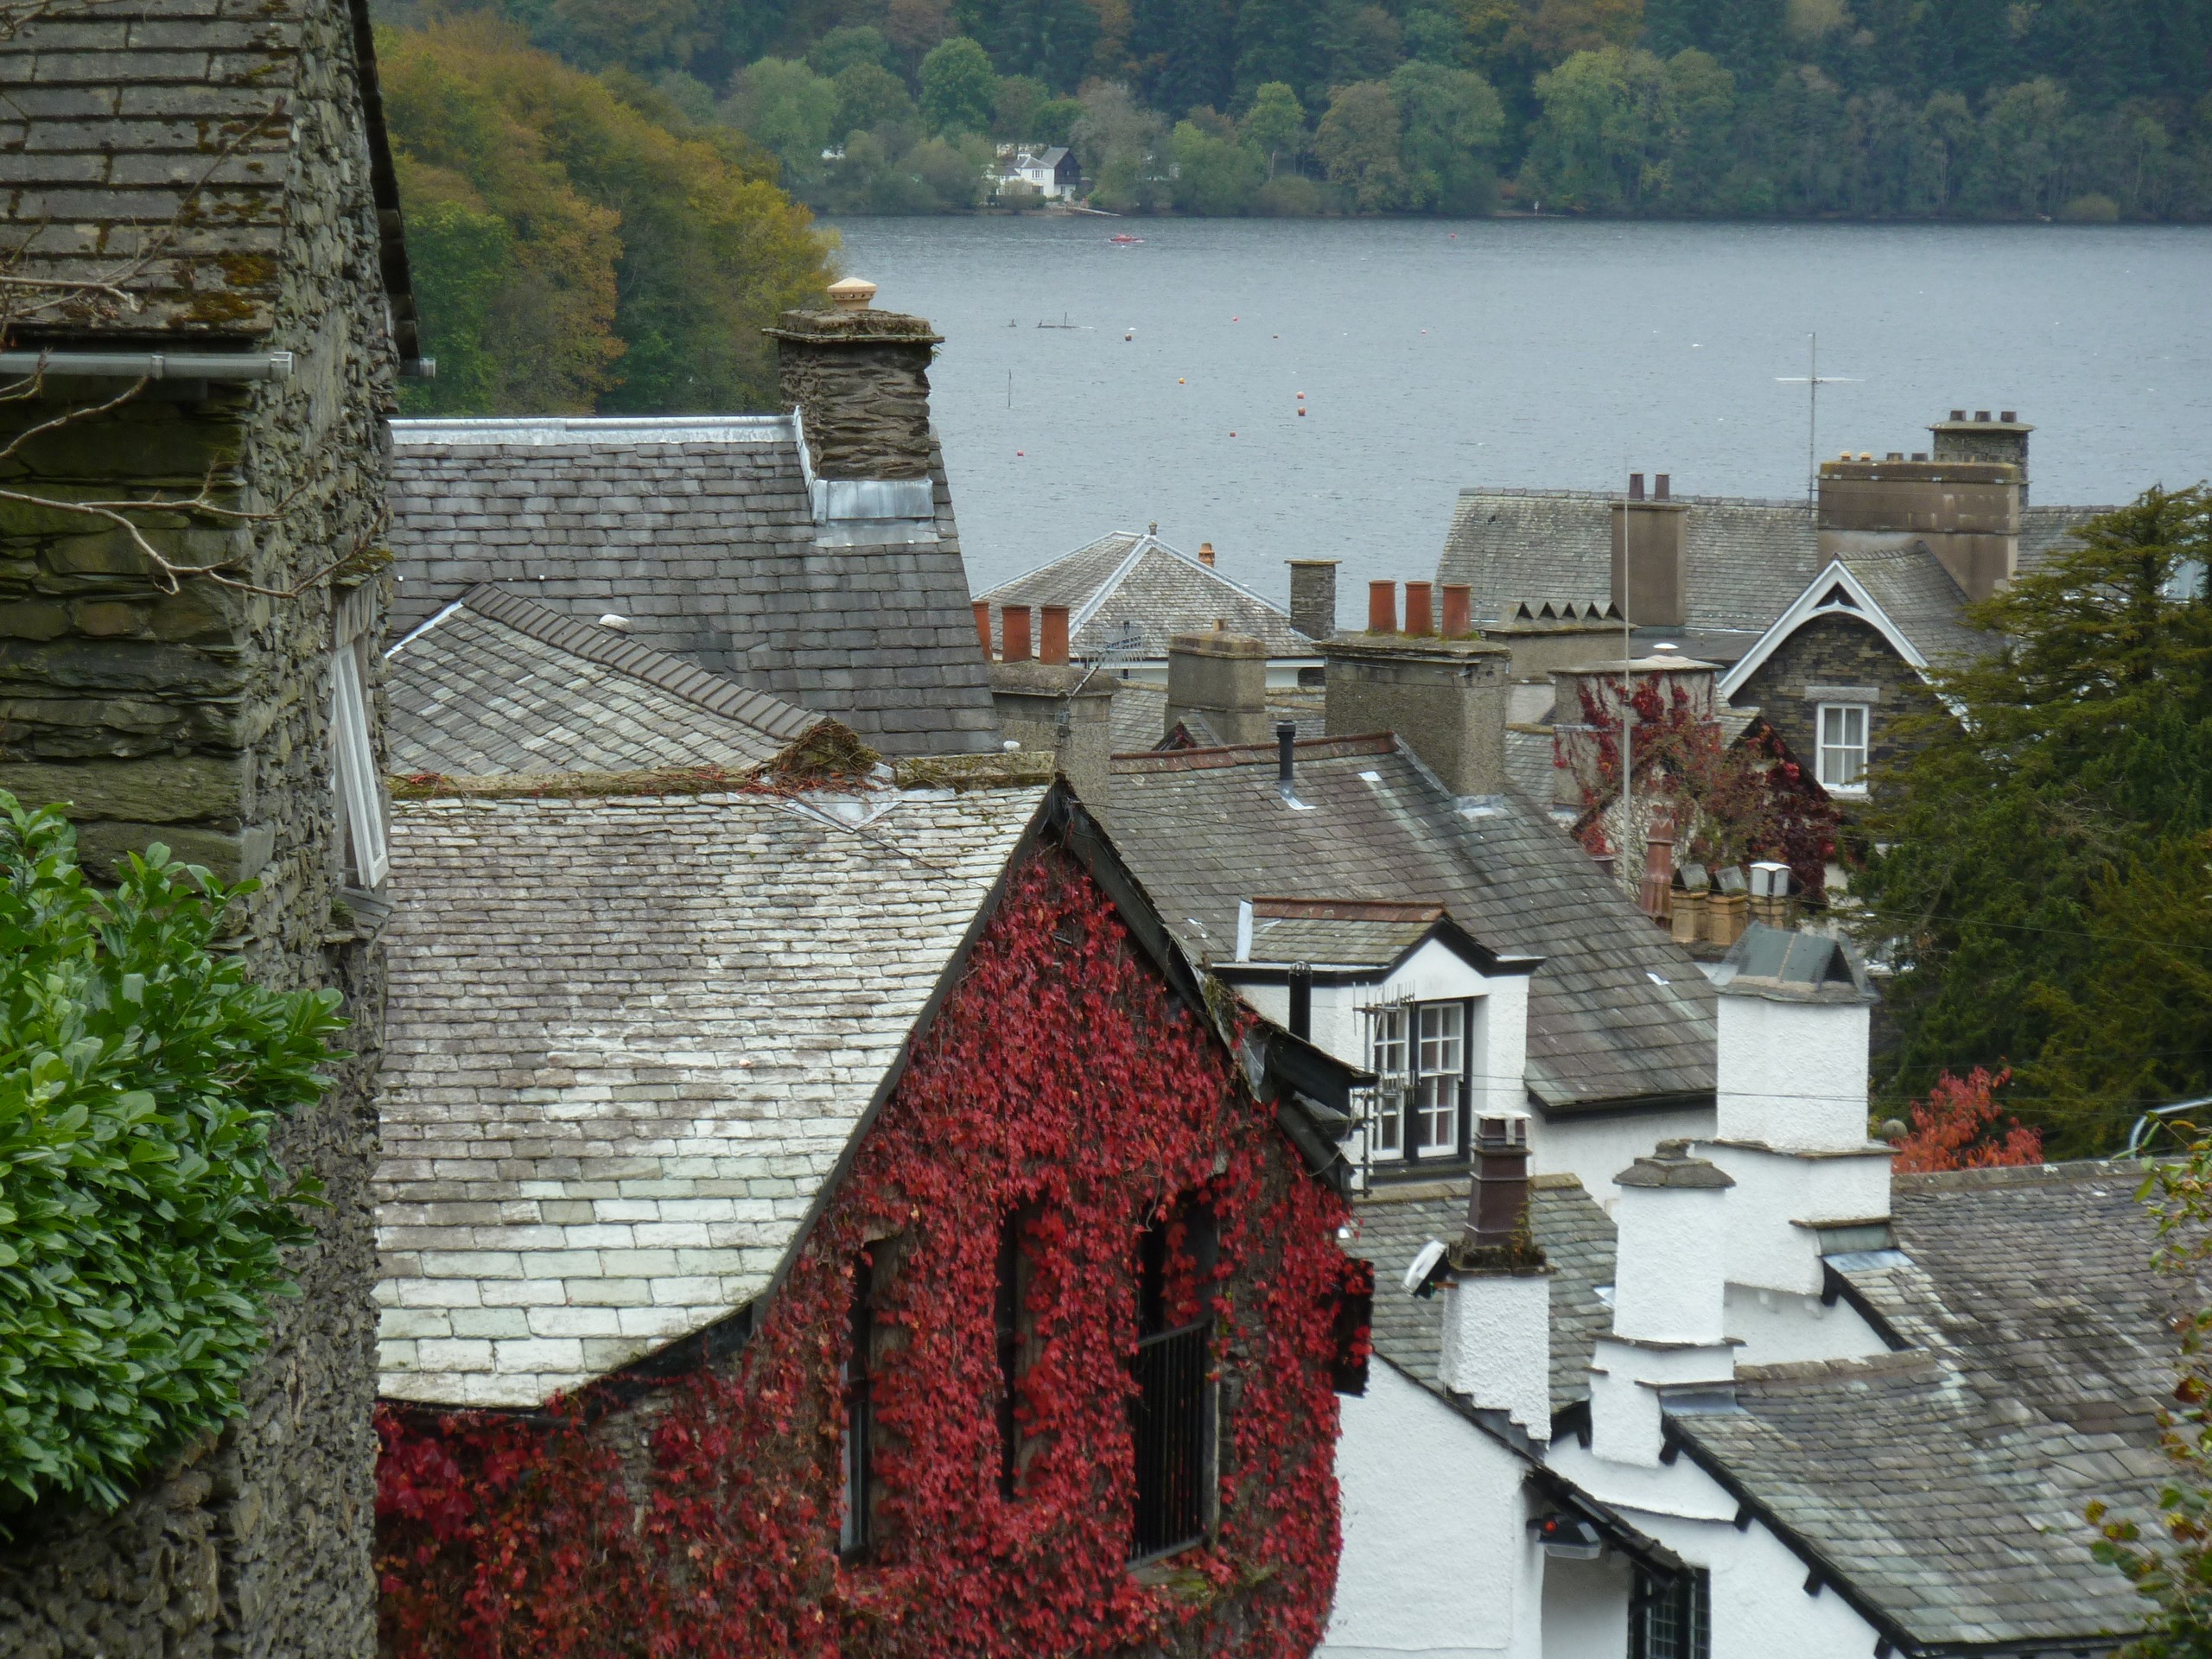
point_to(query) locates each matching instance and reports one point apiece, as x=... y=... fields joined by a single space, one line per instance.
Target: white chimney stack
x=1669 y=1292
x=1790 y=1126
x=1498 y=1297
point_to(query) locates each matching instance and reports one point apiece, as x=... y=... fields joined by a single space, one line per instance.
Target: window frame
x=354 y=777
x=1821 y=747
x=1174 y=1370
x=855 y=1450
x=1684 y=1600
x=1400 y=1109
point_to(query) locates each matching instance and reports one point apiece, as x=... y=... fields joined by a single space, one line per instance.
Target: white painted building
x=1789 y=1435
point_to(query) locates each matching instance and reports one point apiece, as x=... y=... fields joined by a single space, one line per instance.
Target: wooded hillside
x=2092 y=110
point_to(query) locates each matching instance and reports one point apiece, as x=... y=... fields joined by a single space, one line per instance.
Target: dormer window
x=1418 y=1051
x=1843 y=748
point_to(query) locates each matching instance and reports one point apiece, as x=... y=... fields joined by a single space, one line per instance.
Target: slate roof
x=699 y=530
x=1130 y=579
x=1140 y=710
x=1748 y=558
x=1947 y=1482
x=1921 y=601
x=495 y=684
x=1339 y=942
x=1577 y=1236
x=627 y=1040
x=1616 y=1011
x=149 y=142
x=2044 y=529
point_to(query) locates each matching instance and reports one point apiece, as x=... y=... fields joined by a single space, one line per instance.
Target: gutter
x=176 y=365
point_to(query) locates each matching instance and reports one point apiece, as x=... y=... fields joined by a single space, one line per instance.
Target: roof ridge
x=595 y=643
x=1248 y=755
x=2075 y=1169
x=1508 y=491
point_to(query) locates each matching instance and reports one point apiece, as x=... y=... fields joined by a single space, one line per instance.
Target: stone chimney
x=859 y=378
x=1447 y=700
x=1313 y=597
x=1221 y=678
x=1670 y=1295
x=1497 y=1336
x=1790 y=1122
x=2004 y=439
x=1062 y=710
x=1965 y=512
x=1651 y=557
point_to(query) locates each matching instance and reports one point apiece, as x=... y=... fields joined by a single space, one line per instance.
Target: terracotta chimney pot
x=1205 y=553
x=1013 y=627
x=1382 y=607
x=1458 y=610
x=1052 y=641
x=982 y=610
x=1419 y=617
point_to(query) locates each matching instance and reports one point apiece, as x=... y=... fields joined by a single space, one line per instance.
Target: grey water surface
x=1543 y=353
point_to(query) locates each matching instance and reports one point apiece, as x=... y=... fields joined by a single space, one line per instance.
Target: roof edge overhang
x=1810 y=603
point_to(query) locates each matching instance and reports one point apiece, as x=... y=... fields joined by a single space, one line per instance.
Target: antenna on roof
x=1812 y=380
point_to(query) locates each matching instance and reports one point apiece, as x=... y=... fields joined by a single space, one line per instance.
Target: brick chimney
x=1313 y=597
x=859 y=378
x=1446 y=699
x=1650 y=557
x=1223 y=678
x=1497 y=1336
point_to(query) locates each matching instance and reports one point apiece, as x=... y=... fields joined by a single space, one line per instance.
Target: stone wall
x=1446 y=699
x=860 y=380
x=201 y=719
x=1838 y=651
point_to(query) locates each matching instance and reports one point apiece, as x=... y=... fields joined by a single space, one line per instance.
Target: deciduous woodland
x=929 y=1444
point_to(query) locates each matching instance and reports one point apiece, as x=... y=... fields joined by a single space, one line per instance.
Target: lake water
x=1537 y=353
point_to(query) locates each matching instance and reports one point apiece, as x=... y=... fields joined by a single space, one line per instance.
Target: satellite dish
x=1420 y=1277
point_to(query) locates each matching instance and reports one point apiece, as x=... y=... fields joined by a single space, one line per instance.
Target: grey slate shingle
x=697 y=530
x=627 y=1040
x=497 y=685
x=1616 y=1011
x=1127 y=578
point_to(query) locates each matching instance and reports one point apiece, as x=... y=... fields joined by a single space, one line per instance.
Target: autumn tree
x=2038 y=875
x=1958 y=1127
x=574 y=251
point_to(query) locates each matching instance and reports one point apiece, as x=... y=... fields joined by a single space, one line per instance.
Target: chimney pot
x=1958 y=414
x=1013 y=629
x=1981 y=415
x=2009 y=416
x=1920 y=455
x=1635 y=486
x=1497 y=1202
x=1661 y=485
x=1895 y=455
x=982 y=610
x=1420 y=619
x=1382 y=607
x=852 y=293
x=1205 y=553
x=1458 y=610
x=1052 y=640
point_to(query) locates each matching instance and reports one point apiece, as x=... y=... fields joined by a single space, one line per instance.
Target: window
x=1417 y=1053
x=855 y=1529
x=1443 y=1068
x=1171 y=1419
x=1386 y=1059
x=1843 y=746
x=1671 y=1617
x=354 y=775
x=1016 y=1327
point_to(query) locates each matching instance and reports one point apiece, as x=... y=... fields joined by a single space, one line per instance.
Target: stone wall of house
x=200 y=718
x=1837 y=652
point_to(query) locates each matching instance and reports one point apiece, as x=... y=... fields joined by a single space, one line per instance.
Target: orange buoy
x=1301 y=414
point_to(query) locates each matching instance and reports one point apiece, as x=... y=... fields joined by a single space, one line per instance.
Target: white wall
x=1497 y=1346
x=1586 y=1608
x=1436 y=1559
x=1792 y=1074
x=1776 y=1193
x=1779 y=1327
x=1595 y=1149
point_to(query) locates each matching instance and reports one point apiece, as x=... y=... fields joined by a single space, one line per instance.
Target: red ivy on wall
x=703 y=1520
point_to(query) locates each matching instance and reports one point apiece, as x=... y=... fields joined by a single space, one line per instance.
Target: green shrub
x=143 y=1218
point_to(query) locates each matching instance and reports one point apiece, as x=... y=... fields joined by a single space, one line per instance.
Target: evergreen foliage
x=2088 y=110
x=579 y=244
x=2041 y=879
x=143 y=1218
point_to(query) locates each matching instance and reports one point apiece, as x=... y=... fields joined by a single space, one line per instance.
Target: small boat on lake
x=1123 y=239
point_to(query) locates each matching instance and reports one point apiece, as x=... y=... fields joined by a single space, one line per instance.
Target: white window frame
x=1420 y=1072
x=353 y=770
x=1822 y=748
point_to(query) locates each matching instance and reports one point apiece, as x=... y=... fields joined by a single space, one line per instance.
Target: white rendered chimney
x=1669 y=1291
x=1790 y=1124
x=1498 y=1297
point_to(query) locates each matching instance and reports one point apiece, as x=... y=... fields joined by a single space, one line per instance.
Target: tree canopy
x=2042 y=876
x=579 y=244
